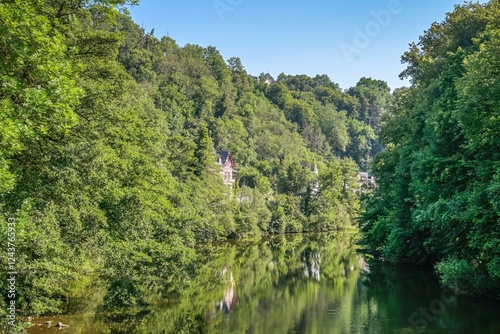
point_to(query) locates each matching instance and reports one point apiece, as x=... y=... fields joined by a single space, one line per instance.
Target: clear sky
x=344 y=39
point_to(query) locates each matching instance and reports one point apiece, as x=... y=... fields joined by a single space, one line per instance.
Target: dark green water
x=297 y=284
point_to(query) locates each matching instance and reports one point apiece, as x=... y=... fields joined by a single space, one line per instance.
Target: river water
x=314 y=283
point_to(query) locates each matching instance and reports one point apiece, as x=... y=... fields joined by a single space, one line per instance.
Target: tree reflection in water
x=281 y=284
x=312 y=283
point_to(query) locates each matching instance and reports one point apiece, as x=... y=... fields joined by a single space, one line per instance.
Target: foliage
x=107 y=152
x=438 y=176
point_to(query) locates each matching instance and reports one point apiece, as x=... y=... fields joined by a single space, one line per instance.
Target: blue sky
x=344 y=39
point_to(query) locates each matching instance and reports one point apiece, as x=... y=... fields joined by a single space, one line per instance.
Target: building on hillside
x=365 y=180
x=226 y=163
x=268 y=79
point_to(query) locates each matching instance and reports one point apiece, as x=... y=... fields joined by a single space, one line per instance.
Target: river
x=313 y=283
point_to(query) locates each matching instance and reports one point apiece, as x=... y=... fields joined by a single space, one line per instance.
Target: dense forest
x=108 y=168
x=109 y=134
x=438 y=195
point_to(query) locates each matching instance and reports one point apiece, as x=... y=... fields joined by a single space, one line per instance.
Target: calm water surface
x=295 y=284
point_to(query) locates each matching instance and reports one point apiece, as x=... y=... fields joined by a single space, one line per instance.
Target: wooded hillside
x=108 y=137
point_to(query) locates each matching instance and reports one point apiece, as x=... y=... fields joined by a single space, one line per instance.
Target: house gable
x=226 y=162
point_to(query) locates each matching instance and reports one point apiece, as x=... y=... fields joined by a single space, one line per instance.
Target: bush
x=462 y=277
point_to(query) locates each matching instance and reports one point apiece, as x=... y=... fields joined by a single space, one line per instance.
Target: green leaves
x=107 y=144
x=38 y=93
x=437 y=195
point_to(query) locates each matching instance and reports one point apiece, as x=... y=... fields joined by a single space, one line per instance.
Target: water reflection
x=302 y=284
x=227 y=304
x=312 y=265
